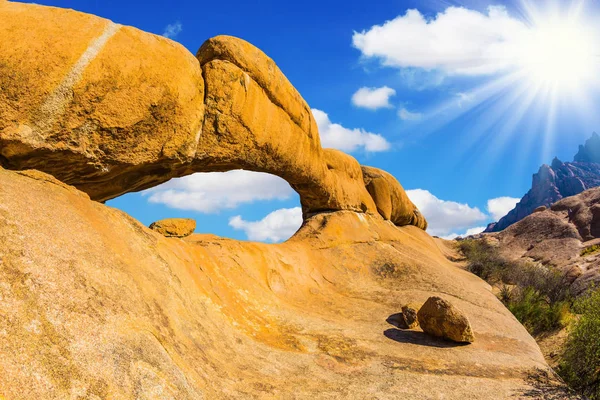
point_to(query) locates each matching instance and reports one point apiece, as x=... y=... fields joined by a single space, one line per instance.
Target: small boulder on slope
x=174 y=227
x=439 y=317
x=409 y=313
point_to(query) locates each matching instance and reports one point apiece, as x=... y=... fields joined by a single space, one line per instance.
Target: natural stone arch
x=118 y=110
x=228 y=197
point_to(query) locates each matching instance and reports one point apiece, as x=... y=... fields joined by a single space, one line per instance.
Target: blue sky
x=464 y=112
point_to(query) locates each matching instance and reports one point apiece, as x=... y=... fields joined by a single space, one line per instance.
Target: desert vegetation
x=590 y=250
x=580 y=365
x=540 y=298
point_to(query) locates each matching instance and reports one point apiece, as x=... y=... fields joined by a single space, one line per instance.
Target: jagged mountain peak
x=556 y=163
x=555 y=181
x=590 y=152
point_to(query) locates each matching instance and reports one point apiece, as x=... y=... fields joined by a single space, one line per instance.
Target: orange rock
x=262 y=70
x=95 y=303
x=258 y=121
x=439 y=317
x=174 y=227
x=107 y=108
x=391 y=199
x=117 y=110
x=380 y=192
x=409 y=314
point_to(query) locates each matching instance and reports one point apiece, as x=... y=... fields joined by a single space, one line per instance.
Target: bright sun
x=559 y=54
x=540 y=68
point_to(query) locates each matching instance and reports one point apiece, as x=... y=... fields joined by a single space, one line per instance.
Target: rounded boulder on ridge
x=174 y=227
x=438 y=317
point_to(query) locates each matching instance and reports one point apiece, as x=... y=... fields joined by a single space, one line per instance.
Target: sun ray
x=555 y=63
x=521 y=105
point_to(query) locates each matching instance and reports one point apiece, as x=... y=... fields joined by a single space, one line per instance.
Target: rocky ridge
x=557 y=181
x=564 y=236
x=174 y=227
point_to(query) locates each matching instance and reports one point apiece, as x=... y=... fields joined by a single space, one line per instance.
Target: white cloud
x=464 y=98
x=445 y=217
x=373 y=98
x=456 y=41
x=214 y=191
x=172 y=30
x=500 y=206
x=277 y=226
x=420 y=79
x=469 y=232
x=475 y=231
x=338 y=137
x=406 y=115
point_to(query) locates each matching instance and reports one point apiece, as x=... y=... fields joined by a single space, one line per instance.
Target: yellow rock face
x=439 y=317
x=265 y=73
x=391 y=199
x=174 y=227
x=114 y=110
x=35 y=62
x=95 y=305
x=380 y=192
x=256 y=120
x=98 y=98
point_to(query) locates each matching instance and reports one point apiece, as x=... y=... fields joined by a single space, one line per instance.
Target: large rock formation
x=117 y=110
x=558 y=237
x=590 y=153
x=95 y=305
x=104 y=107
x=557 y=181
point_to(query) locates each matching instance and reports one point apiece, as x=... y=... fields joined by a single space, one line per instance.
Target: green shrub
x=505 y=294
x=580 y=366
x=536 y=312
x=483 y=259
x=548 y=282
x=540 y=298
x=590 y=250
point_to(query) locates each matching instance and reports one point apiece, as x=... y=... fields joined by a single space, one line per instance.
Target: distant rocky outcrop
x=565 y=236
x=556 y=181
x=93 y=304
x=590 y=152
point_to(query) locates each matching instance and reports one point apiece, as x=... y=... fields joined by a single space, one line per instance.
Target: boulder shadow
x=419 y=338
x=397 y=320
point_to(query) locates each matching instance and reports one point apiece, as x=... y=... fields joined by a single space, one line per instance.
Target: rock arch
x=111 y=109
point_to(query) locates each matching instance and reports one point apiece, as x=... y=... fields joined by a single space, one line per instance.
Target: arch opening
x=238 y=204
